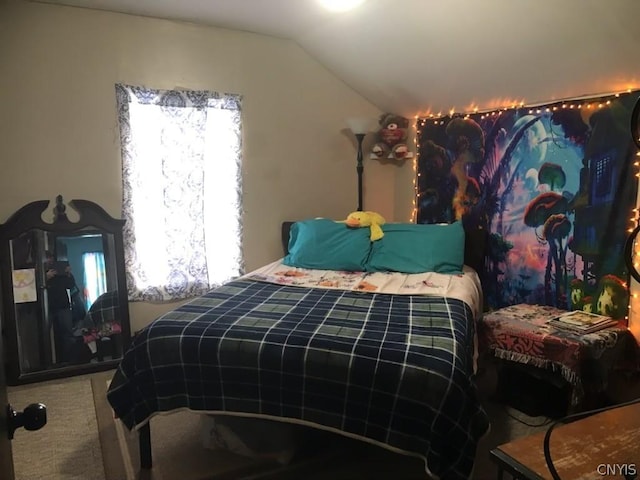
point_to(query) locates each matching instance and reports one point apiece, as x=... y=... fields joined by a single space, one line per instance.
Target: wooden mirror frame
x=29 y=218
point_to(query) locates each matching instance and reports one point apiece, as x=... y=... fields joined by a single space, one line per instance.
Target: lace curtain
x=181 y=175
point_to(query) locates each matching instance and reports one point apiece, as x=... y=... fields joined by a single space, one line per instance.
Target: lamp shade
x=360 y=124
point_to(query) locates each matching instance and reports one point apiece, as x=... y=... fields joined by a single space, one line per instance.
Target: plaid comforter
x=104 y=309
x=395 y=370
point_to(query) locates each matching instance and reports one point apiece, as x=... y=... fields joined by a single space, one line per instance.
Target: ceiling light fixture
x=340 y=5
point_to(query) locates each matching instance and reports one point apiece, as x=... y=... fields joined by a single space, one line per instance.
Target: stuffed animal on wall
x=392 y=136
x=372 y=220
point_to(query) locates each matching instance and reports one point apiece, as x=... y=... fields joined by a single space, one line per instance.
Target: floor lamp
x=359 y=126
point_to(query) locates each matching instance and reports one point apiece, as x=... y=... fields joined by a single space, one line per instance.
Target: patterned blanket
x=102 y=318
x=464 y=286
x=521 y=333
x=394 y=370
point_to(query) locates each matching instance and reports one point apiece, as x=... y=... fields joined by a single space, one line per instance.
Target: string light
x=414 y=211
x=587 y=102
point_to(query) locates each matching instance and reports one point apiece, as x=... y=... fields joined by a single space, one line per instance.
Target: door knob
x=34 y=417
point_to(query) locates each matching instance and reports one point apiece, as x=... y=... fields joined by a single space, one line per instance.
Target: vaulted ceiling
x=415 y=57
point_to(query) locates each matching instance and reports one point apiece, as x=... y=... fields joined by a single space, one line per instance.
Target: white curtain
x=95 y=276
x=181 y=173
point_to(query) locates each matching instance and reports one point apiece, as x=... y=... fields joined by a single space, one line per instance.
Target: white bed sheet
x=465 y=287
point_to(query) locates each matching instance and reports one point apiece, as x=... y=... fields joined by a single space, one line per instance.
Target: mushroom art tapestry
x=553 y=186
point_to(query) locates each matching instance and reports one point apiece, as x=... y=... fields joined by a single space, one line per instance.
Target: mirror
x=66 y=305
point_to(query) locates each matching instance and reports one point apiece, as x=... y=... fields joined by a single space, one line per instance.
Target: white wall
x=58 y=130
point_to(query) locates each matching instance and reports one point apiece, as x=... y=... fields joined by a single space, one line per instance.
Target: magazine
x=579 y=321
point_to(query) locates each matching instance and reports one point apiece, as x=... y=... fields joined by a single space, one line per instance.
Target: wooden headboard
x=475 y=244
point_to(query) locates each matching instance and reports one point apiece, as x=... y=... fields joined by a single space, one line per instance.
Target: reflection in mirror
x=65 y=295
x=27 y=295
x=94 y=303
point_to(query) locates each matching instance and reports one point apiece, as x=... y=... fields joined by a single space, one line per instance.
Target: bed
x=384 y=357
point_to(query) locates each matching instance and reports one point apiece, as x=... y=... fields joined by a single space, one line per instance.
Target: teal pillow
x=323 y=244
x=417 y=248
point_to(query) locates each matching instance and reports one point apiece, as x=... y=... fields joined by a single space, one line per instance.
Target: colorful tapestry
x=554 y=187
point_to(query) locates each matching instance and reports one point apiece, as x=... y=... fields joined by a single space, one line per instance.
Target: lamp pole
x=359 y=126
x=359 y=168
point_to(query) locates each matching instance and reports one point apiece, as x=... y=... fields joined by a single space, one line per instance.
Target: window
x=95 y=276
x=181 y=158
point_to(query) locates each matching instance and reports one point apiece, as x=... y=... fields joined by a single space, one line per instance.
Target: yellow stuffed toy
x=372 y=220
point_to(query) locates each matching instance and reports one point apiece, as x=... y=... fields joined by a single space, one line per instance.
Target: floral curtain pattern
x=182 y=190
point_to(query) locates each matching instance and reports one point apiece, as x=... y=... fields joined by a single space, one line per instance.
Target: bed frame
x=474 y=255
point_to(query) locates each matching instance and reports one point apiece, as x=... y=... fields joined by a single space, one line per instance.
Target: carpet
x=68 y=446
x=178 y=453
x=83 y=441
x=176 y=445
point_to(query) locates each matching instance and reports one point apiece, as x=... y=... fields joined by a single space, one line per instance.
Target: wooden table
x=604 y=445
